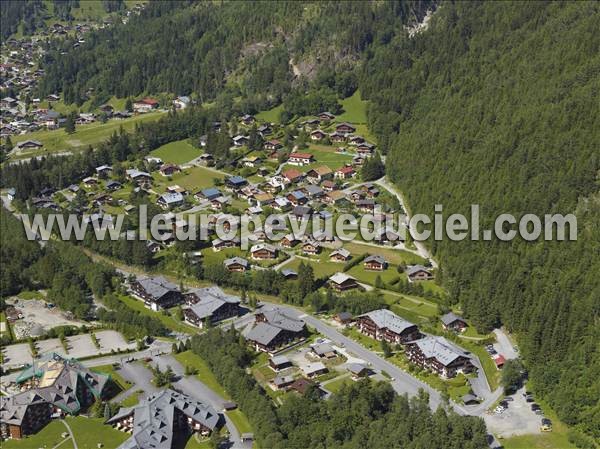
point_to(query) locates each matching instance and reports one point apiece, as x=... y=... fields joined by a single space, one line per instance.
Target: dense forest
x=498 y=106
x=365 y=414
x=493 y=105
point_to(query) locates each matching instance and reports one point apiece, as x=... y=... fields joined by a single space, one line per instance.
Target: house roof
x=171 y=197
x=211 y=299
x=157 y=286
x=282 y=320
x=355 y=368
x=154 y=419
x=415 y=269
x=340 y=278
x=263 y=333
x=439 y=348
x=341 y=251
x=384 y=318
x=300 y=156
x=236 y=260
x=375 y=258
x=280 y=360
x=311 y=368
x=263 y=246
x=450 y=318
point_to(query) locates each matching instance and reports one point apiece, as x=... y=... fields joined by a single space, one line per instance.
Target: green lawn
x=337 y=384
x=192 y=179
x=88 y=432
x=178 y=152
x=30 y=294
x=239 y=421
x=84 y=135
x=204 y=374
x=168 y=320
x=391 y=255
x=48 y=437
x=132 y=399
x=355 y=109
x=369 y=276
x=114 y=374
x=272 y=115
x=320 y=268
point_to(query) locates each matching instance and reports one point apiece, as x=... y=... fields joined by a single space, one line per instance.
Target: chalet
x=28 y=145
x=281 y=204
x=139 y=177
x=103 y=170
x=342 y=282
x=252 y=161
x=264 y=199
x=145 y=105
x=272 y=145
x=263 y=251
x=340 y=255
x=313 y=191
x=53 y=97
x=311 y=370
x=367 y=206
x=418 y=273
x=182 y=102
x=346 y=172
x=328 y=185
x=300 y=158
x=120 y=115
x=326 y=116
x=335 y=197
x=262 y=172
x=317 y=134
x=156 y=292
x=289 y=241
x=206 y=158
x=235 y=182
x=302 y=213
x=365 y=149
x=499 y=360
x=247 y=119
x=451 y=321
x=345 y=128
x=218 y=244
x=210 y=305
x=355 y=140
x=169 y=169
x=236 y=264
x=343 y=317
x=375 y=263
x=302 y=386
x=439 y=355
x=274 y=329
x=292 y=175
x=319 y=174
x=90 y=182
x=357 y=370
x=176 y=188
x=323 y=351
x=385 y=325
x=289 y=274
x=279 y=362
x=240 y=141
x=337 y=137
x=170 y=200
x=219 y=203
x=281 y=382
x=311 y=248
x=297 y=198
x=107 y=109
x=208 y=194
x=160 y=420
x=264 y=130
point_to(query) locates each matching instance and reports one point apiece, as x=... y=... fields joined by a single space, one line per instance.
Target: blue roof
x=211 y=192
x=298 y=195
x=236 y=180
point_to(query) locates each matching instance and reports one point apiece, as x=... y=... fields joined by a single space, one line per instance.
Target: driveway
x=504 y=346
x=193 y=387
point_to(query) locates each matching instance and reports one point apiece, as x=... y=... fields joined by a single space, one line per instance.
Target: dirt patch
x=38 y=318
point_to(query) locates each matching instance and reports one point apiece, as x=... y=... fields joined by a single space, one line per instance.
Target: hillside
x=498 y=107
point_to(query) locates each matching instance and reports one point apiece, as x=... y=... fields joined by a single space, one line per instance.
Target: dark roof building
x=385 y=325
x=164 y=418
x=210 y=304
x=156 y=292
x=274 y=329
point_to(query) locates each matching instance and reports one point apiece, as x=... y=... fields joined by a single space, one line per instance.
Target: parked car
x=546 y=425
x=509 y=398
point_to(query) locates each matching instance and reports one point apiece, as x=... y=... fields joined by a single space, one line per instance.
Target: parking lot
x=79 y=346
x=517 y=419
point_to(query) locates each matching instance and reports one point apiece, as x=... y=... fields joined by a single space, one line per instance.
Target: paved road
x=504 y=346
x=193 y=387
x=421 y=248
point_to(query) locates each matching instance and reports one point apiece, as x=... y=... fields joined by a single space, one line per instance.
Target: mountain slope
x=498 y=106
